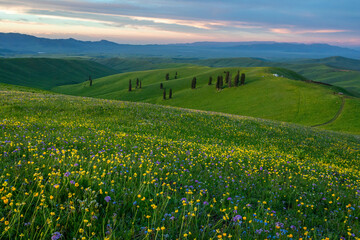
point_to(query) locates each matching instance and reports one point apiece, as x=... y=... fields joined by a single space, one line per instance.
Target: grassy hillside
x=47 y=73
x=349 y=118
x=263 y=95
x=347 y=79
x=11 y=87
x=139 y=64
x=339 y=71
x=74 y=167
x=336 y=62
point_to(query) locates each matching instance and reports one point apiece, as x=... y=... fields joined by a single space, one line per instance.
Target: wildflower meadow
x=83 y=168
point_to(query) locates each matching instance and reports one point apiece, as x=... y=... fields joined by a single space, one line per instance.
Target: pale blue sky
x=174 y=21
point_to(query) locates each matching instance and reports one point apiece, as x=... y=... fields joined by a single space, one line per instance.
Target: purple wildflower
x=56 y=236
x=67 y=174
x=107 y=198
x=237 y=218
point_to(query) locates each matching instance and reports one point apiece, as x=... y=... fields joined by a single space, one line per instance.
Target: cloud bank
x=160 y=21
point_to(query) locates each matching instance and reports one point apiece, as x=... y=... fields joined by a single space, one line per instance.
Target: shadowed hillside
x=47 y=73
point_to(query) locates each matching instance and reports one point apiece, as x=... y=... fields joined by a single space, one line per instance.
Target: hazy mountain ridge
x=15 y=43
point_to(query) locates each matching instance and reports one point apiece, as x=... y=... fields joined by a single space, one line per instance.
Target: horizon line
x=344 y=45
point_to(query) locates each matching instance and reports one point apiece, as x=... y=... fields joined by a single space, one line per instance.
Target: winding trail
x=336 y=115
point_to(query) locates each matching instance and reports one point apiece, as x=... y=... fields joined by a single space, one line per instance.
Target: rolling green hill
x=336 y=62
x=339 y=71
x=139 y=64
x=85 y=168
x=347 y=79
x=286 y=98
x=47 y=73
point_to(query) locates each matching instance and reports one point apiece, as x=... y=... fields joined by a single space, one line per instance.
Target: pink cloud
x=305 y=31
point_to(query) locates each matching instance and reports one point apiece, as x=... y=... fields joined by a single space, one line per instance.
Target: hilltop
x=338 y=71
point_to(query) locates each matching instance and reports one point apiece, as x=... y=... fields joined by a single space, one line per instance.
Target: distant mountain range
x=20 y=44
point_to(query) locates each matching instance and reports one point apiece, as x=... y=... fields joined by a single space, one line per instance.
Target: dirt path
x=336 y=115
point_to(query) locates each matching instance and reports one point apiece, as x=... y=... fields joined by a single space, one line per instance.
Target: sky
x=335 y=22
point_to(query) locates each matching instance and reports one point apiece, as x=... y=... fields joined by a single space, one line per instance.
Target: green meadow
x=87 y=168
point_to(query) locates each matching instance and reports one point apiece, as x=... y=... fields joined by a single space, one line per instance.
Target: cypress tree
x=193 y=83
x=170 y=93
x=227 y=77
x=175 y=76
x=218 y=83
x=229 y=80
x=236 y=80
x=164 y=94
x=137 y=82
x=210 y=81
x=167 y=76
x=242 y=79
x=221 y=82
x=90 y=80
x=129 y=85
x=140 y=83
x=161 y=86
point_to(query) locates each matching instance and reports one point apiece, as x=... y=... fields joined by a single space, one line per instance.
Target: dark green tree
x=229 y=80
x=236 y=79
x=161 y=86
x=210 y=81
x=221 y=82
x=218 y=83
x=193 y=83
x=140 y=83
x=164 y=94
x=167 y=77
x=242 y=82
x=90 y=80
x=137 y=83
x=129 y=85
x=227 y=77
x=170 y=93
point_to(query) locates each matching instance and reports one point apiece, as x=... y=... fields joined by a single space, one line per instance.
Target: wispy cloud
x=321 y=20
x=305 y=31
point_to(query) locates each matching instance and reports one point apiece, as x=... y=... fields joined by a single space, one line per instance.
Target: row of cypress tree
x=167 y=76
x=238 y=80
x=138 y=84
x=164 y=93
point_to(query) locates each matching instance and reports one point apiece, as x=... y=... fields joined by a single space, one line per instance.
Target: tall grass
x=84 y=168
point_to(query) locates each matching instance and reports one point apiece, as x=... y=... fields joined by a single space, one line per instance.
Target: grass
x=335 y=62
x=75 y=167
x=339 y=71
x=139 y=64
x=46 y=73
x=347 y=79
x=264 y=95
x=11 y=87
x=349 y=119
